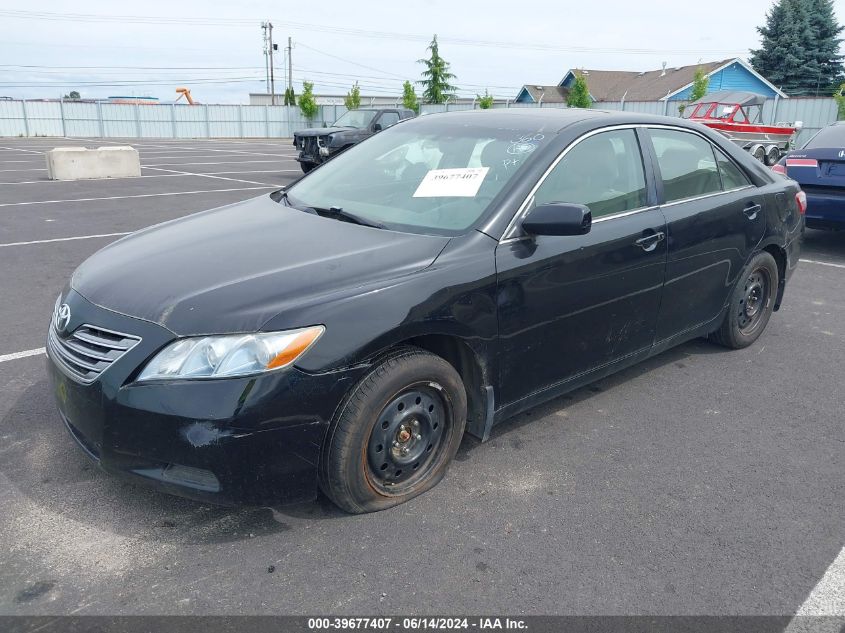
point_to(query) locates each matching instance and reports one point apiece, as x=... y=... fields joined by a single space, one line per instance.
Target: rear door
x=714 y=217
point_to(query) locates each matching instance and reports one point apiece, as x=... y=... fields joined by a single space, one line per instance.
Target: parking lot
x=703 y=481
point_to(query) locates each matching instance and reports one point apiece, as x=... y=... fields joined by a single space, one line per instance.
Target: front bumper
x=249 y=440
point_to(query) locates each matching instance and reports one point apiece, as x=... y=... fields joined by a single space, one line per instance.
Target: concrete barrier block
x=76 y=163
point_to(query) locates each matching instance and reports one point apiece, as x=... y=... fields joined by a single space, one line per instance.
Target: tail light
x=802 y=162
x=801 y=199
x=779 y=169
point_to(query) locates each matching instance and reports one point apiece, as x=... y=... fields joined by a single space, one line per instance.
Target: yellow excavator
x=185 y=92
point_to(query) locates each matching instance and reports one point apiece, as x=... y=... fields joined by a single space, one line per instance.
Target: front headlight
x=230 y=355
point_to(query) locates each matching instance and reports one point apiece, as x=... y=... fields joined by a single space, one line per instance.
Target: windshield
x=355 y=118
x=424 y=176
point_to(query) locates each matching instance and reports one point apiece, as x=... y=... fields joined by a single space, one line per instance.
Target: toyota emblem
x=62 y=317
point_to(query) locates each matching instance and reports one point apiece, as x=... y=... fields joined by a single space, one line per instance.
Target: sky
x=102 y=48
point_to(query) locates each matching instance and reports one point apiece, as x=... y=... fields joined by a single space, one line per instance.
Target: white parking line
x=186 y=173
x=827 y=598
x=41 y=182
x=225 y=162
x=17 y=355
x=20 y=149
x=64 y=239
x=30 y=169
x=281 y=157
x=140 y=195
x=815 y=261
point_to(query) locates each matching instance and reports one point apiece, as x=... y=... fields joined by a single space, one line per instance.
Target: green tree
x=579 y=94
x=436 y=76
x=826 y=50
x=839 y=95
x=307 y=103
x=290 y=97
x=700 y=83
x=485 y=101
x=73 y=94
x=799 y=47
x=409 y=97
x=352 y=100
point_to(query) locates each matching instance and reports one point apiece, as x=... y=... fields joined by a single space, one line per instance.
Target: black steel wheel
x=407 y=438
x=396 y=434
x=752 y=303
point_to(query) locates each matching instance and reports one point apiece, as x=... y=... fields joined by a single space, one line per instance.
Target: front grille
x=310 y=146
x=89 y=351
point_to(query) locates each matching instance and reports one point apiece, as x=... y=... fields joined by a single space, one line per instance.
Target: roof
x=652 y=85
x=549 y=94
x=733 y=96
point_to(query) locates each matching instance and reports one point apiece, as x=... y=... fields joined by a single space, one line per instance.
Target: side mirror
x=377 y=127
x=558 y=218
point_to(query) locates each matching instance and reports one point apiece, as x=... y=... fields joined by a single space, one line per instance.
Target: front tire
x=306 y=167
x=396 y=434
x=751 y=305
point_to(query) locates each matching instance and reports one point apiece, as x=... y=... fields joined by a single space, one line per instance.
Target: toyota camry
x=434 y=280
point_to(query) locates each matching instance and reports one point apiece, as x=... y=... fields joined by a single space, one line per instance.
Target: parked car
x=819 y=167
x=438 y=278
x=319 y=144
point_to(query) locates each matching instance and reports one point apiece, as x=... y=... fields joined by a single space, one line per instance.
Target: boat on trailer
x=739 y=116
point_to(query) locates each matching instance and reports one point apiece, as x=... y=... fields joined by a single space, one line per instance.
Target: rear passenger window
x=387 y=119
x=604 y=172
x=732 y=176
x=687 y=164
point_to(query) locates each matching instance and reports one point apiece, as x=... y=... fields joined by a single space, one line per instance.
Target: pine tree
x=799 y=47
x=290 y=97
x=436 y=76
x=409 y=97
x=579 y=94
x=826 y=50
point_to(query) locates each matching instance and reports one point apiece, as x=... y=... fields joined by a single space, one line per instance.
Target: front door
x=569 y=305
x=715 y=218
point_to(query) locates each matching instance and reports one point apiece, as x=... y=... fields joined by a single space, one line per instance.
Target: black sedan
x=436 y=279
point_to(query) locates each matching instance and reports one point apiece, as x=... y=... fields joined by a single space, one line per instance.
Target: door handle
x=751 y=210
x=650 y=242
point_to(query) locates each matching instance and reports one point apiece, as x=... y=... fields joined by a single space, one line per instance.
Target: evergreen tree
x=436 y=76
x=290 y=97
x=799 y=47
x=352 y=100
x=826 y=49
x=409 y=97
x=579 y=94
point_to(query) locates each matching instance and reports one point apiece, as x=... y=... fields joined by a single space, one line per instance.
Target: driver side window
x=604 y=172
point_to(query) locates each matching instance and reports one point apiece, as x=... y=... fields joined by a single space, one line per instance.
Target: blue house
x=666 y=84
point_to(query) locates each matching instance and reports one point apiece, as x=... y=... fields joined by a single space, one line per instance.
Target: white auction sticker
x=451 y=183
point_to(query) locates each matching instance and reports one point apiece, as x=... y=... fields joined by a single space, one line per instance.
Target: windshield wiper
x=338 y=212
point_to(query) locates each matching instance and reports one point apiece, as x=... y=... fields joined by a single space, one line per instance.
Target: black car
x=319 y=144
x=438 y=278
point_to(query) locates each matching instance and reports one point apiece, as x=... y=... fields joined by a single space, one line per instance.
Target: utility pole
x=290 y=65
x=272 y=79
x=266 y=57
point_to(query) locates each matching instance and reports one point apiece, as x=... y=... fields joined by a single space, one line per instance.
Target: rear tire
x=751 y=304
x=395 y=435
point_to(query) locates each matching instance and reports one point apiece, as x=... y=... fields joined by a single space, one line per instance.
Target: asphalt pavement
x=703 y=481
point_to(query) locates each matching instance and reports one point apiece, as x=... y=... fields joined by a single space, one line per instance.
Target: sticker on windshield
x=451 y=183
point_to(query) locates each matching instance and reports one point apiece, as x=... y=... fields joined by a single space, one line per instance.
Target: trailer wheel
x=772 y=155
x=759 y=153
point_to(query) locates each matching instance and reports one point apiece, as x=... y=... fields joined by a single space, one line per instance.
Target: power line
x=370 y=34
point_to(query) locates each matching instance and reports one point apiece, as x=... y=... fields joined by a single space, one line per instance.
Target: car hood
x=323 y=131
x=231 y=269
